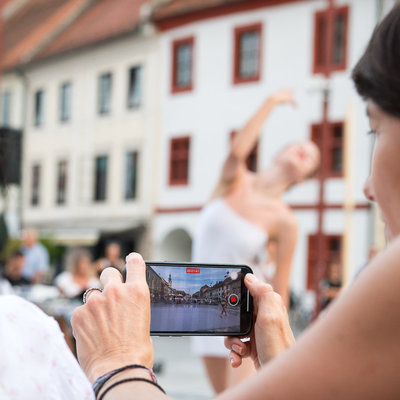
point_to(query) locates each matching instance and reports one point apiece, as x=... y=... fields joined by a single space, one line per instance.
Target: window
x=39 y=108
x=247 y=52
x=179 y=161
x=252 y=159
x=330 y=40
x=65 y=102
x=61 y=182
x=331 y=150
x=331 y=252
x=131 y=164
x=182 y=65
x=35 y=185
x=100 y=178
x=105 y=83
x=135 y=87
x=5 y=108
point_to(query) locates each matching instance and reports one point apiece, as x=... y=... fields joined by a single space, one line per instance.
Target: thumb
x=257 y=287
x=135 y=268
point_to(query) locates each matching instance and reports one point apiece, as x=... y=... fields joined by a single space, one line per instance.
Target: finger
x=135 y=268
x=110 y=275
x=235 y=359
x=235 y=344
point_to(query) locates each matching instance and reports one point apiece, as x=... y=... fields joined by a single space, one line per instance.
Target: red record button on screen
x=192 y=270
x=233 y=299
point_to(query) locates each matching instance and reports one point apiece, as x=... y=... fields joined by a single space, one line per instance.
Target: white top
x=223 y=236
x=65 y=282
x=35 y=361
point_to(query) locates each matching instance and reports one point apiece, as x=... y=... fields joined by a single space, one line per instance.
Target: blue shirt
x=36 y=259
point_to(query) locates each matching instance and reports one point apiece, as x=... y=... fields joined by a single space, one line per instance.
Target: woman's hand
x=271 y=333
x=113 y=328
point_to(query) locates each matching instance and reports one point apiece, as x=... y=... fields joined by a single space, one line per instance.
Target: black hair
x=377 y=73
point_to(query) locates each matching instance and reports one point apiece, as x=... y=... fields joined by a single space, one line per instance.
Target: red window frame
x=175 y=88
x=328 y=255
x=330 y=143
x=252 y=158
x=179 y=161
x=239 y=31
x=323 y=54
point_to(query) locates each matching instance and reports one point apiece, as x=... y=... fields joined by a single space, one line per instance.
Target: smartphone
x=199 y=299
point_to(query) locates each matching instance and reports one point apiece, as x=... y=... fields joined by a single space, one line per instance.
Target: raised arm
x=351 y=353
x=246 y=138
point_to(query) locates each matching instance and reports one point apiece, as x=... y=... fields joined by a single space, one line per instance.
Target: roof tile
x=104 y=20
x=32 y=26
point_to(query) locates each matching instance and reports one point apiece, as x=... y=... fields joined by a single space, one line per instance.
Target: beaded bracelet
x=100 y=381
x=130 y=380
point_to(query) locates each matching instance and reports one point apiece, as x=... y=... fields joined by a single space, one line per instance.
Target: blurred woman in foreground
x=351 y=353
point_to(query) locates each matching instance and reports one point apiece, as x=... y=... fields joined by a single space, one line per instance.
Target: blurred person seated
x=13 y=269
x=331 y=285
x=112 y=258
x=80 y=276
x=36 y=257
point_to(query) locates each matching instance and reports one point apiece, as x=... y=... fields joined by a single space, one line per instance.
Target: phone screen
x=198 y=299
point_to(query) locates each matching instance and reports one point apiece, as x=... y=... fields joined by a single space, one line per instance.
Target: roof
x=173 y=13
x=32 y=25
x=38 y=29
x=105 y=20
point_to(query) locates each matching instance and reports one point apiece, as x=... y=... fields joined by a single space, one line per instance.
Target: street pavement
x=182 y=374
x=193 y=317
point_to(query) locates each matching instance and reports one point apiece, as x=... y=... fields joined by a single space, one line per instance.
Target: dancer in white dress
x=246 y=210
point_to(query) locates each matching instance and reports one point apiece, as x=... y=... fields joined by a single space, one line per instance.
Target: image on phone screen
x=198 y=299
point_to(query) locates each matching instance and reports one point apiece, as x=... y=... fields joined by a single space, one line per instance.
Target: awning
x=86 y=232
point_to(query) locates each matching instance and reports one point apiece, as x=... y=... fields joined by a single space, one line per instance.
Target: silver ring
x=87 y=292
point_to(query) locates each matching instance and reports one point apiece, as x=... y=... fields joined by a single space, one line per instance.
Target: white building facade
x=90 y=120
x=216 y=102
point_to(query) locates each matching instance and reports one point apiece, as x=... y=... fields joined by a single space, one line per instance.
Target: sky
x=192 y=282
